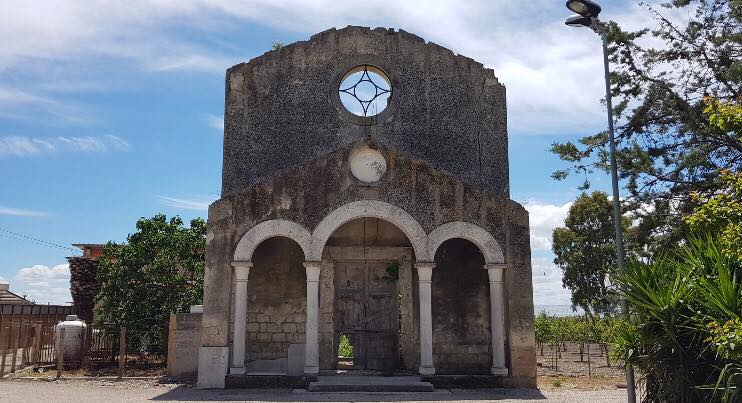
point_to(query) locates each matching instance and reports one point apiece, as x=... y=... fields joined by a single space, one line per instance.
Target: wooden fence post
x=15 y=347
x=36 y=352
x=589 y=364
x=3 y=353
x=60 y=353
x=23 y=333
x=122 y=352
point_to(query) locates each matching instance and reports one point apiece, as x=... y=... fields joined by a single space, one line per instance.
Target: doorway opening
x=371 y=309
x=345 y=352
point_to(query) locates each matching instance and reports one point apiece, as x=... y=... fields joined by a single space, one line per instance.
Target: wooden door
x=367 y=310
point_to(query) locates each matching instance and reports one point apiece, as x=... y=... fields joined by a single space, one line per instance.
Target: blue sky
x=110 y=113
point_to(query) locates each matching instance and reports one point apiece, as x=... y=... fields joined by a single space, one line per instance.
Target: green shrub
x=345 y=349
x=669 y=339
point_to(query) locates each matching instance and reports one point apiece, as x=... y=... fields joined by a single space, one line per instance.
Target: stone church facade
x=377 y=216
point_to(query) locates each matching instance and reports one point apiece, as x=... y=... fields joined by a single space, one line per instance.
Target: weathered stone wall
x=461 y=310
x=445 y=109
x=184 y=341
x=309 y=193
x=521 y=339
x=276 y=300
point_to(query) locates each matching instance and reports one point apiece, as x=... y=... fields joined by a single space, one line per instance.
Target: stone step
x=369 y=384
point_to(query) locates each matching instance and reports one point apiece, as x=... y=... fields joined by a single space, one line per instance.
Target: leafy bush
x=674 y=338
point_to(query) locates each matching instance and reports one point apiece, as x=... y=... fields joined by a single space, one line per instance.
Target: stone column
x=311 y=363
x=424 y=275
x=495 y=271
x=241 y=272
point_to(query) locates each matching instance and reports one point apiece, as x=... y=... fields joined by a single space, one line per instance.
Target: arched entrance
x=461 y=249
x=398 y=240
x=461 y=309
x=269 y=317
x=276 y=307
x=372 y=322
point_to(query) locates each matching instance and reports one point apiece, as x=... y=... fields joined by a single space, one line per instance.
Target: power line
x=35 y=241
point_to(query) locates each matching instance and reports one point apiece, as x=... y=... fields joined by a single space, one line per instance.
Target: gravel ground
x=135 y=391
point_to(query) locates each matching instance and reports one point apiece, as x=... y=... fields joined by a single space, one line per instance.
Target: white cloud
x=201 y=204
x=553 y=73
x=44 y=284
x=544 y=218
x=20 y=212
x=547 y=283
x=28 y=146
x=547 y=277
x=217 y=122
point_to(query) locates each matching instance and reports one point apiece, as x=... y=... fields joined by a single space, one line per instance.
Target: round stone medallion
x=368 y=165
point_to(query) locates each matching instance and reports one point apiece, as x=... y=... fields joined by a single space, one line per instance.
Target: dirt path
x=137 y=391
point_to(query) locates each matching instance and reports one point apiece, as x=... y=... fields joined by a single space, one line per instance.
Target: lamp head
x=578 y=21
x=585 y=8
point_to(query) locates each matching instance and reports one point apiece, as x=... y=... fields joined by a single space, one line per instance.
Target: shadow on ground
x=188 y=393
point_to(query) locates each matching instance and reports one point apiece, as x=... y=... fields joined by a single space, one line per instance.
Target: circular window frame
x=376 y=66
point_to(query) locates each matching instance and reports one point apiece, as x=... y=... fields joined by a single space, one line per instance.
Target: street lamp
x=587 y=16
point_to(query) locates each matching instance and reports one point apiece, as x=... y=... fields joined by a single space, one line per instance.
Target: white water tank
x=73 y=343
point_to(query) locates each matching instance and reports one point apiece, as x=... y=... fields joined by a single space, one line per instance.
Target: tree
x=721 y=214
x=158 y=271
x=667 y=149
x=585 y=250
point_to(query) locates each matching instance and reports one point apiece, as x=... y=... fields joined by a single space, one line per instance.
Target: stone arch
x=374 y=209
x=269 y=229
x=486 y=243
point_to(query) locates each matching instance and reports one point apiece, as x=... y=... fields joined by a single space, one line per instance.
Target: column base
x=426 y=370
x=311 y=370
x=237 y=370
x=212 y=367
x=499 y=371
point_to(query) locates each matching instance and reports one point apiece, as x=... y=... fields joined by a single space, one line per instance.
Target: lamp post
x=587 y=16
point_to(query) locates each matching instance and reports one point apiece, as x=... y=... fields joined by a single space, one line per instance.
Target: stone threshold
x=467 y=381
x=373 y=384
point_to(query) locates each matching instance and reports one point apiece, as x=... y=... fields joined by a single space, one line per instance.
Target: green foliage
x=576 y=329
x=669 y=340
x=585 y=250
x=727 y=338
x=392 y=272
x=277 y=45
x=158 y=271
x=726 y=115
x=672 y=140
x=345 y=349
x=721 y=213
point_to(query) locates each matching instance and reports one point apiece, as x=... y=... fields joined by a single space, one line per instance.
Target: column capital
x=241 y=270
x=495 y=271
x=424 y=271
x=498 y=266
x=313 y=269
